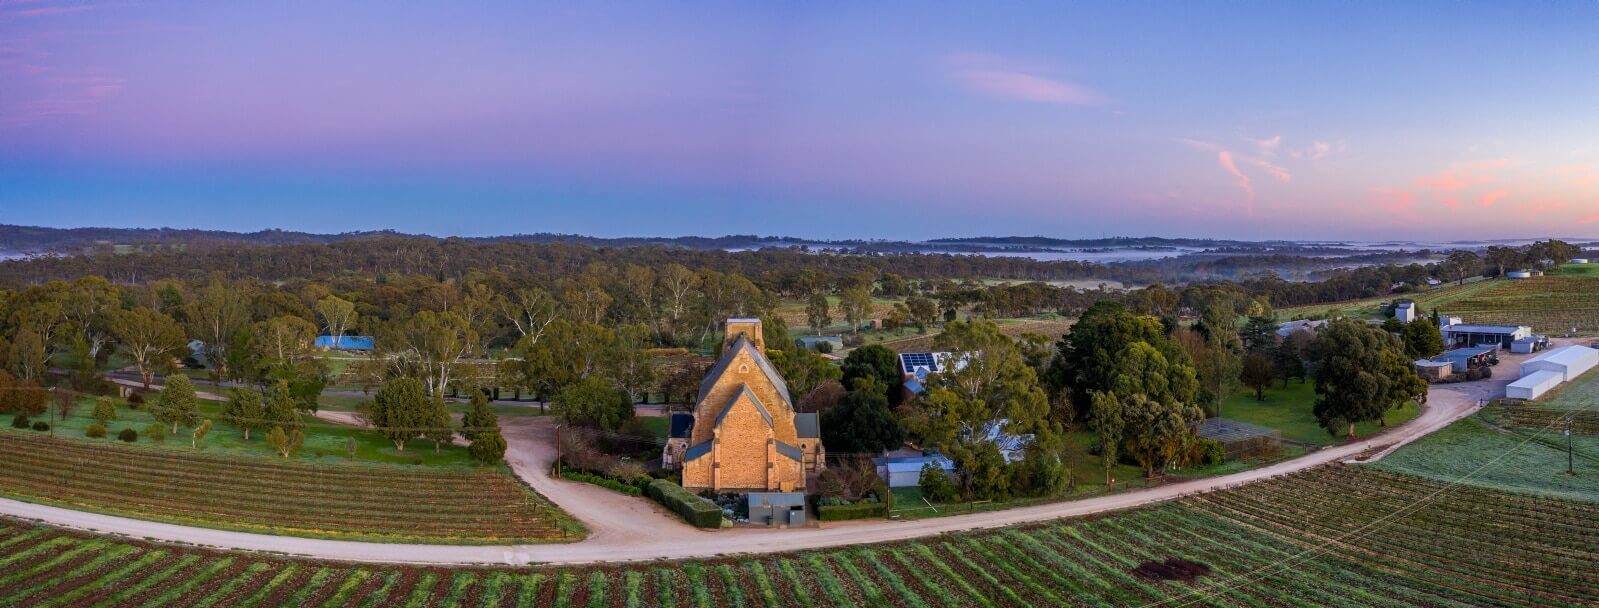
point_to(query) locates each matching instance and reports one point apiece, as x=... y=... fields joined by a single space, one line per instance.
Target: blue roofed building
x=346 y=343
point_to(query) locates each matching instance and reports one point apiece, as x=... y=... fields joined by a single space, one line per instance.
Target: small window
x=744 y=368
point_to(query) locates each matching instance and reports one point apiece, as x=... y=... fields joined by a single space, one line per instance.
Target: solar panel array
x=911 y=361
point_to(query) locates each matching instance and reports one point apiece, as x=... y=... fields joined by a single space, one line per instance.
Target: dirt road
x=632 y=529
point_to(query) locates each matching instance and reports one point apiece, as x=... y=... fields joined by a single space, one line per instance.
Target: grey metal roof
x=682 y=425
x=1227 y=429
x=806 y=426
x=777 y=499
x=743 y=342
x=1483 y=329
x=791 y=451
x=1464 y=353
x=698 y=450
x=759 y=407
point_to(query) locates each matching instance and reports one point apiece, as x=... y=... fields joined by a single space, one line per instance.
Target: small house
x=1405 y=311
x=1287 y=328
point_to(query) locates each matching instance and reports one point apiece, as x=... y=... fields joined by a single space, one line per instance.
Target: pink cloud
x=1452 y=180
x=1542 y=206
x=1225 y=159
x=1268 y=146
x=1279 y=172
x=996 y=77
x=1451 y=203
x=1489 y=198
x=1394 y=200
x=1590 y=219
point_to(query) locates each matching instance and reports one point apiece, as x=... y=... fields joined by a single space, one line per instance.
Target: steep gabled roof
x=790 y=451
x=806 y=426
x=697 y=450
x=742 y=391
x=744 y=343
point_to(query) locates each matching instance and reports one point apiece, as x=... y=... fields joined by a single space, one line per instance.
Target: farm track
x=1283 y=542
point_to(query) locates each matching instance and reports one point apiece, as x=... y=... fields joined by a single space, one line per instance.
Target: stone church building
x=744 y=435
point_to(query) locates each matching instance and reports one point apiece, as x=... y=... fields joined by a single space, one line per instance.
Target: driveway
x=633 y=529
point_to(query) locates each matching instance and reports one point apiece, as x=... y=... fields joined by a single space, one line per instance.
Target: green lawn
x=1579 y=394
x=323 y=440
x=1289 y=410
x=1475 y=452
x=1371 y=308
x=1585 y=270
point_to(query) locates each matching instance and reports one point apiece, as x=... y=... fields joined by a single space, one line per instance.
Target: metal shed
x=777 y=509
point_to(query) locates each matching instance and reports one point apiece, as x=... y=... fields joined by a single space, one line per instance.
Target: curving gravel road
x=633 y=529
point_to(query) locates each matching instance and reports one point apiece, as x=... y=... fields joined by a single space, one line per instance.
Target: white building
x=1544 y=372
x=1405 y=311
x=1498 y=336
x=1568 y=361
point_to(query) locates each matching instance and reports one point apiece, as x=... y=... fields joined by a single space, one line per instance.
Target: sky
x=1256 y=120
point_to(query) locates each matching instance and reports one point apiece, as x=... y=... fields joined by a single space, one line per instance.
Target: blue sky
x=1237 y=119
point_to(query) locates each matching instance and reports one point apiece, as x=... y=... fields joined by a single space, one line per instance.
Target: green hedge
x=860 y=510
x=691 y=508
x=604 y=482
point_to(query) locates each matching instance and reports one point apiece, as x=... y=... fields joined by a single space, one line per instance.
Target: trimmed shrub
x=128 y=435
x=20 y=421
x=96 y=431
x=155 y=431
x=691 y=508
x=41 y=426
x=604 y=482
x=135 y=400
x=859 y=510
x=936 y=485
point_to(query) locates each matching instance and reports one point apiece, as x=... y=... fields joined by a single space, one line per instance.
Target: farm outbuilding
x=1568 y=361
x=906 y=471
x=1519 y=274
x=1463 y=359
x=1579 y=260
x=1434 y=370
x=346 y=342
x=1497 y=336
x=1530 y=344
x=1534 y=385
x=777 y=509
x=1241 y=439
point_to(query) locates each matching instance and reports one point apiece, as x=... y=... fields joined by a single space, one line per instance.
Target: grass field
x=1551 y=304
x=1286 y=542
x=1483 y=451
x=1581 y=270
x=1289 y=410
x=324 y=441
x=1371 y=308
x=367 y=502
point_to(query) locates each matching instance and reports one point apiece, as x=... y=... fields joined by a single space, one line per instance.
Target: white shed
x=1533 y=386
x=1519 y=274
x=1568 y=361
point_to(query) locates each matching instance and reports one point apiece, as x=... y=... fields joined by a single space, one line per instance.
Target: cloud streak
x=999 y=78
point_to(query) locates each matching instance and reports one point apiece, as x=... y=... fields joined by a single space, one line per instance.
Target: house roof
x=776 y=499
x=682 y=425
x=1430 y=363
x=697 y=450
x=1566 y=355
x=807 y=426
x=743 y=343
x=759 y=407
x=791 y=451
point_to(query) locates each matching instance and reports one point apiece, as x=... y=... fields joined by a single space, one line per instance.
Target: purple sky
x=1236 y=119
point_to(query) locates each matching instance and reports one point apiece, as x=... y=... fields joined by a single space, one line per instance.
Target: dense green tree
x=923 y=312
x=1422 y=339
x=936 y=485
x=1105 y=418
x=1258 y=373
x=1259 y=334
x=1090 y=353
x=218 y=312
x=878 y=362
x=862 y=421
x=592 y=402
x=151 y=339
x=804 y=370
x=440 y=428
x=244 y=410
x=400 y=410
x=1289 y=356
x=481 y=427
x=176 y=404
x=1348 y=366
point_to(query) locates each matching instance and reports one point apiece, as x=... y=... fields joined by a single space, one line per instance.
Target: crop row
x=242 y=493
x=1279 y=543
